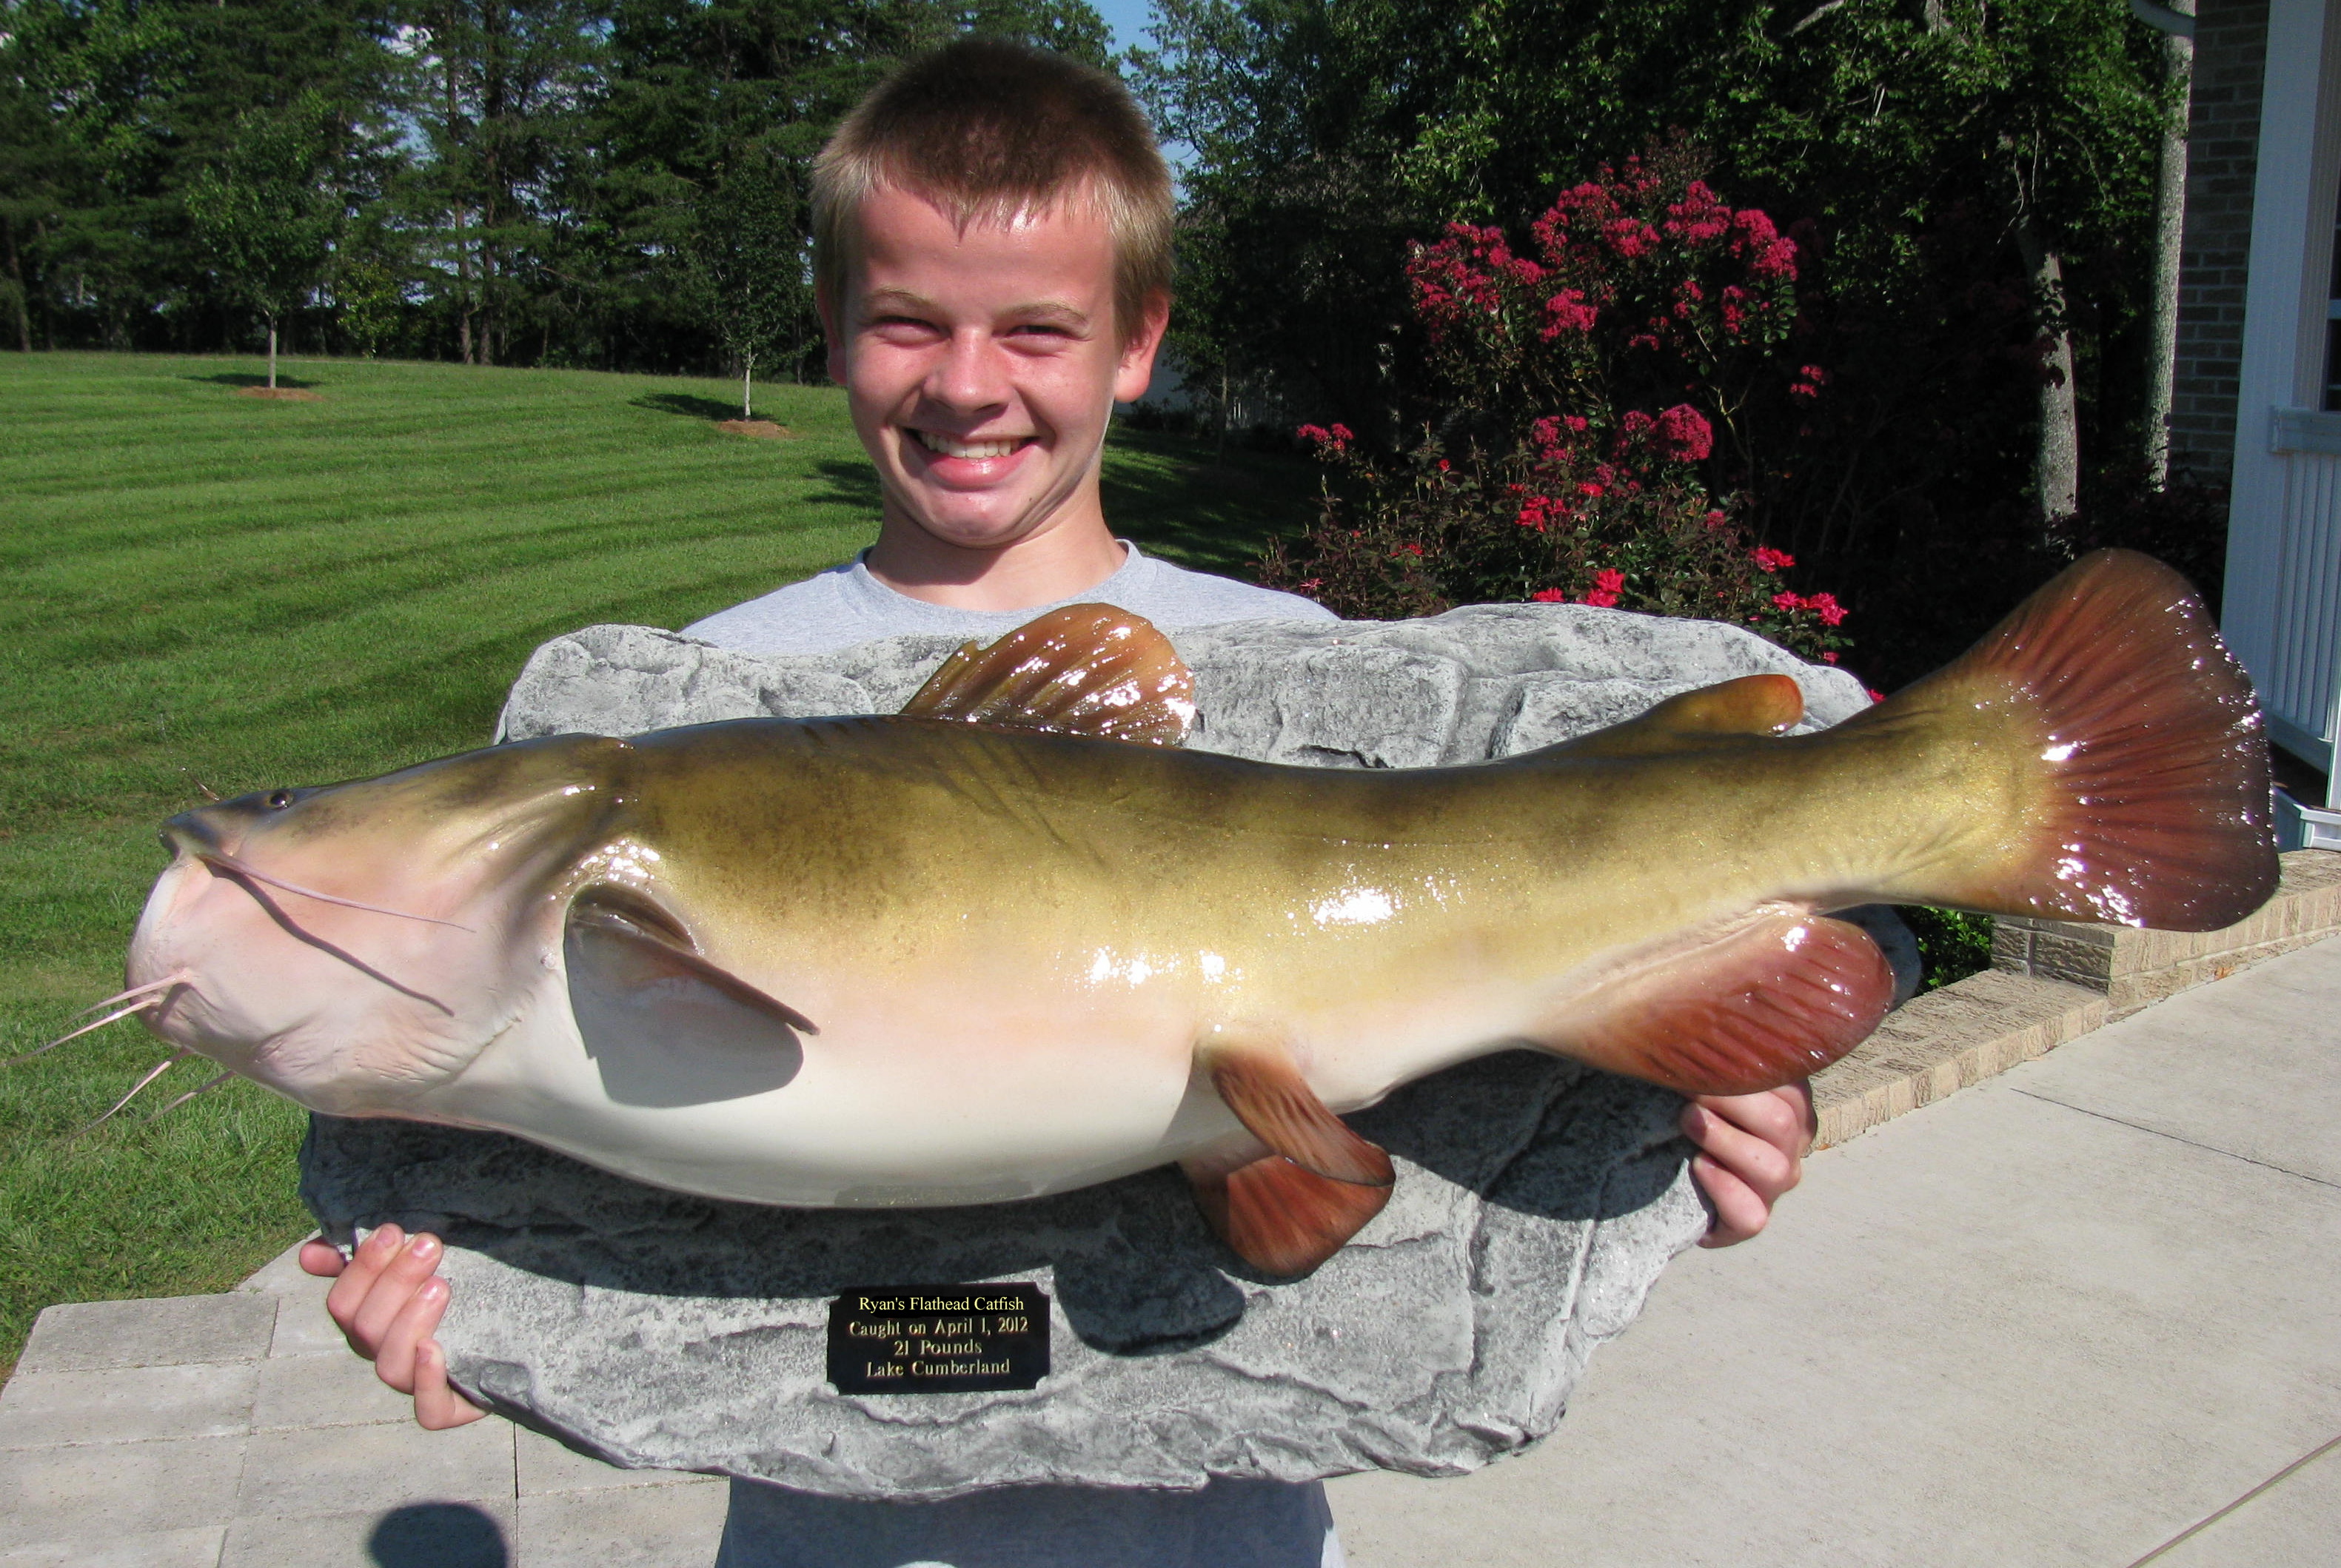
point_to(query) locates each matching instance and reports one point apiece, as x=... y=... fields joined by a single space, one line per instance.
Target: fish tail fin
x=2112 y=752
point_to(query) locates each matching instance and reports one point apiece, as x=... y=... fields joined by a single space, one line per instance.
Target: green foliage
x=1952 y=943
x=263 y=212
x=1905 y=148
x=751 y=262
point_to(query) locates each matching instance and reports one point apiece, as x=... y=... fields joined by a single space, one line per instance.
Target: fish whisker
x=164 y=1065
x=222 y=861
x=203 y=1088
x=176 y=977
x=162 y=992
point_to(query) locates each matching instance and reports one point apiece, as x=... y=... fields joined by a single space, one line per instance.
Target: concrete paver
x=675 y=1526
x=2297 y=1520
x=159 y=1549
x=2247 y=1066
x=125 y=1405
x=423 y=1533
x=88 y=1336
x=357 y=1467
x=102 y=1491
x=317 y=1390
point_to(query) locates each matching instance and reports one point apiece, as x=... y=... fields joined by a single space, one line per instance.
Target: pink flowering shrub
x=1586 y=388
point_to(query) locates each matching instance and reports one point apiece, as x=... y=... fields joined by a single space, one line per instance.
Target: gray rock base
x=1536 y=1201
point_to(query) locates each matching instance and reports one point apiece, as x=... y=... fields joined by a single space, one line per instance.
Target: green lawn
x=195 y=585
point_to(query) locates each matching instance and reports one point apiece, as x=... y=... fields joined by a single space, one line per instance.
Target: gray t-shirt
x=1228 y=1525
x=845 y=606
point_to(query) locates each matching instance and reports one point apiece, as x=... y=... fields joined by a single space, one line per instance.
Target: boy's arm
x=388 y=1299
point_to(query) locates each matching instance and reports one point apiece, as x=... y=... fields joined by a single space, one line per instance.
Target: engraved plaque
x=938 y=1339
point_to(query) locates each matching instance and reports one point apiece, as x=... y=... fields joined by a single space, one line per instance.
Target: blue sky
x=1128 y=18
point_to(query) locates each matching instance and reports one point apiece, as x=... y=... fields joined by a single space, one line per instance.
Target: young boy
x=992 y=263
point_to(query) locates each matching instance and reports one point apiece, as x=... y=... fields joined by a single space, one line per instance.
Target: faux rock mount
x=1535 y=1203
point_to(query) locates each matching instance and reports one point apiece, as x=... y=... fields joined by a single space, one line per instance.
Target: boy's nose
x=972 y=375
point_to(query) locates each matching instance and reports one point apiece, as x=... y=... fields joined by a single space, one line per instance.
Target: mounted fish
x=1014 y=942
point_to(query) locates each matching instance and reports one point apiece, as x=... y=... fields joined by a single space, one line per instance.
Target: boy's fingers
x=438 y=1406
x=1780 y=1116
x=1740 y=1213
x=1758 y=1162
x=391 y=1290
x=321 y=1257
x=366 y=1265
x=394 y=1356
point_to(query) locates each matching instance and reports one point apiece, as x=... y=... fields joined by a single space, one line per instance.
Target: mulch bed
x=281 y=394
x=763 y=428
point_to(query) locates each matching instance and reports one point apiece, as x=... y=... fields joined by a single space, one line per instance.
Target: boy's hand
x=387 y=1301
x=1751 y=1149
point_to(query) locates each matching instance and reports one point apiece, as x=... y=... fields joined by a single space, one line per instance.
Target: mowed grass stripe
x=195 y=585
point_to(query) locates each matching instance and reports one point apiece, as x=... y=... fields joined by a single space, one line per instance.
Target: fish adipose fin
x=2139 y=778
x=1724 y=714
x=1774 y=1001
x=1083 y=670
x=1290 y=1210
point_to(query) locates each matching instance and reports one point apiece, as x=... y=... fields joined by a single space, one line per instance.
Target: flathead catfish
x=1009 y=943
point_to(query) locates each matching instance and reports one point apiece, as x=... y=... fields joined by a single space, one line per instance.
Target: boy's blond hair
x=988 y=130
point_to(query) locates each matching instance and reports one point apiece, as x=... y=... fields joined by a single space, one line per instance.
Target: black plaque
x=938 y=1339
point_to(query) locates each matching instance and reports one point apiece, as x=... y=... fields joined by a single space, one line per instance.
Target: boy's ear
x=1136 y=369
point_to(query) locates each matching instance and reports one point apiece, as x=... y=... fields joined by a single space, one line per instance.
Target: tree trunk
x=747 y=379
x=2169 y=227
x=271 y=354
x=2056 y=457
x=16 y=272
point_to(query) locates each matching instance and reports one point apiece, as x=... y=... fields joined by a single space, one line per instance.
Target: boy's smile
x=982 y=367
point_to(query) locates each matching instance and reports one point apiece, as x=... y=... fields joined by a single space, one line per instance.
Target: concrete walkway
x=2086 y=1313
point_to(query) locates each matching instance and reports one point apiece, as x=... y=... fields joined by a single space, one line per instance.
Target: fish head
x=355 y=945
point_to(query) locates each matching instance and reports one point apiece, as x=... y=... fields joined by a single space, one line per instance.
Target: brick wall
x=2222 y=157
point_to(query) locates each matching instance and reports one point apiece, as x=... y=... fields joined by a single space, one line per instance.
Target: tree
x=265 y=213
x=750 y=258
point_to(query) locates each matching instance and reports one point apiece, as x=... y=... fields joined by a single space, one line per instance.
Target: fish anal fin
x=1278 y=1217
x=1082 y=669
x=1728 y=711
x=1773 y=1001
x=1256 y=1078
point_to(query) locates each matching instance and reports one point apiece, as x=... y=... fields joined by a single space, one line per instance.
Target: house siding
x=2222 y=129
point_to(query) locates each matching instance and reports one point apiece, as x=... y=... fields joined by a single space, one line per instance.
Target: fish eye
x=279 y=799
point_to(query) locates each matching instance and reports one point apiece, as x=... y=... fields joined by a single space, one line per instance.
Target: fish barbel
x=1001 y=945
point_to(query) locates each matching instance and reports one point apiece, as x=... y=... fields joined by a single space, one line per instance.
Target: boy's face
x=981 y=366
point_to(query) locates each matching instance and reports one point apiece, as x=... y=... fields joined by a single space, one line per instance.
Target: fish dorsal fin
x=1083 y=670
x=1724 y=714
x=1772 y=1000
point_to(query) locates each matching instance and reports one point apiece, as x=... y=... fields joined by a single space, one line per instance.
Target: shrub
x=1587 y=392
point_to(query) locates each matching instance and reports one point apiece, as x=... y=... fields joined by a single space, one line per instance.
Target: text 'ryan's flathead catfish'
x=1015 y=940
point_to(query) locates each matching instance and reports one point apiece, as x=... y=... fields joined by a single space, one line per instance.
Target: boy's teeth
x=950 y=448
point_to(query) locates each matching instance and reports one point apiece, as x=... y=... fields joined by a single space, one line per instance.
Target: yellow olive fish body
x=1011 y=942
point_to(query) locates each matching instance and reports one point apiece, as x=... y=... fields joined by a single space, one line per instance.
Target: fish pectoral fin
x=1727 y=712
x=637 y=947
x=1771 y=1001
x=1278 y=1217
x=1255 y=1076
x=1083 y=670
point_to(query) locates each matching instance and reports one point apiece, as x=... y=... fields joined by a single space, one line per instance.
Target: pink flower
x=1789 y=603
x=1549 y=596
x=1771 y=560
x=1713 y=520
x=1567 y=311
x=1605 y=589
x=1826 y=607
x=1829 y=658
x=1685 y=434
x=1341 y=432
x=1539 y=512
x=1415 y=550
x=1589 y=488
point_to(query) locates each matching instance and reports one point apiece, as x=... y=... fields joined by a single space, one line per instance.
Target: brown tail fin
x=2148 y=801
